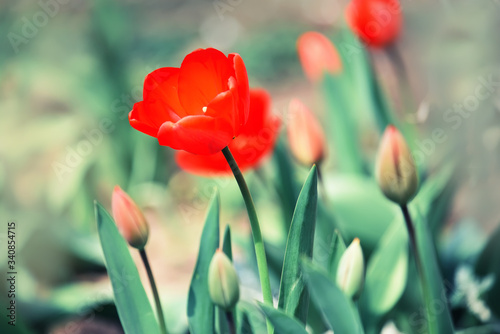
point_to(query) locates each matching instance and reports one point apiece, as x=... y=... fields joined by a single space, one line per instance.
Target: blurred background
x=71 y=71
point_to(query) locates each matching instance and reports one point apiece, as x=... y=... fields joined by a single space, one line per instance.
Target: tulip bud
x=129 y=219
x=318 y=55
x=351 y=270
x=305 y=134
x=223 y=284
x=396 y=172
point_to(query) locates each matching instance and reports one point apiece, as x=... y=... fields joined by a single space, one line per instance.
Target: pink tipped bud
x=129 y=219
x=318 y=56
x=395 y=170
x=305 y=135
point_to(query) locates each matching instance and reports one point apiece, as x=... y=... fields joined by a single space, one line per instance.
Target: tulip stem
x=257 y=235
x=418 y=260
x=230 y=322
x=159 y=311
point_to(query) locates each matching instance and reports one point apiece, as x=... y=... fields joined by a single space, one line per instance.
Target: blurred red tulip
x=305 y=134
x=318 y=55
x=129 y=219
x=376 y=22
x=199 y=107
x=256 y=140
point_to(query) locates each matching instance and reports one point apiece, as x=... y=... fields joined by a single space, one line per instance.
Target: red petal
x=204 y=165
x=139 y=120
x=260 y=105
x=240 y=73
x=196 y=134
x=203 y=75
x=224 y=106
x=160 y=93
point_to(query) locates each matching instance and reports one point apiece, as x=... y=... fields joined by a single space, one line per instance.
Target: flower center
x=204 y=109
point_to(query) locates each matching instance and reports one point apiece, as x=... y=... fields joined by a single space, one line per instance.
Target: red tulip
x=305 y=134
x=249 y=148
x=199 y=107
x=376 y=22
x=318 y=55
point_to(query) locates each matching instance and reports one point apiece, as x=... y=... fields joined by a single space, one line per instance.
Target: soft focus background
x=71 y=71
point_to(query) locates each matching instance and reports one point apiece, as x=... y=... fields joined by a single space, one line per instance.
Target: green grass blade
x=134 y=309
x=338 y=311
x=282 y=322
x=293 y=297
x=201 y=310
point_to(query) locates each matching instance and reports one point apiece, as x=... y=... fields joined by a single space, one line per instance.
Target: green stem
x=159 y=311
x=416 y=254
x=230 y=322
x=257 y=235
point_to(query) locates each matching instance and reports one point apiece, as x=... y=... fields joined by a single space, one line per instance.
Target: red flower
x=318 y=55
x=199 y=107
x=249 y=148
x=376 y=22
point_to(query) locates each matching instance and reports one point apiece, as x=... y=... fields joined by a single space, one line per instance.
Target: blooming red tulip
x=318 y=55
x=199 y=107
x=254 y=143
x=305 y=134
x=129 y=219
x=376 y=22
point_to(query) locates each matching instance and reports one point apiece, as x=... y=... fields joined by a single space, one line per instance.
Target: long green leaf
x=282 y=322
x=387 y=271
x=134 y=309
x=439 y=322
x=338 y=311
x=293 y=297
x=201 y=310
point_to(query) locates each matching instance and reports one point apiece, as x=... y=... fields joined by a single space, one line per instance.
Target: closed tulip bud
x=305 y=134
x=129 y=219
x=223 y=284
x=318 y=55
x=396 y=172
x=351 y=270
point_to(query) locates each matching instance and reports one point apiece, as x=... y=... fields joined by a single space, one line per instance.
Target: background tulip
x=305 y=134
x=199 y=107
x=376 y=22
x=318 y=55
x=351 y=270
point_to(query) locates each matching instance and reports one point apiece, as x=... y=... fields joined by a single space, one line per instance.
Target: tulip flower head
x=376 y=22
x=351 y=270
x=199 y=107
x=223 y=283
x=396 y=172
x=305 y=134
x=318 y=56
x=129 y=219
x=249 y=149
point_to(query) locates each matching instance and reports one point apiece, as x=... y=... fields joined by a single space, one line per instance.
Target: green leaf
x=293 y=297
x=134 y=309
x=486 y=264
x=337 y=248
x=226 y=243
x=282 y=322
x=201 y=310
x=434 y=292
x=387 y=271
x=338 y=311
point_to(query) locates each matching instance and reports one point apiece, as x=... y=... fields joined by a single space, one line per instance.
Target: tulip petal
x=203 y=75
x=140 y=121
x=241 y=76
x=161 y=94
x=196 y=134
